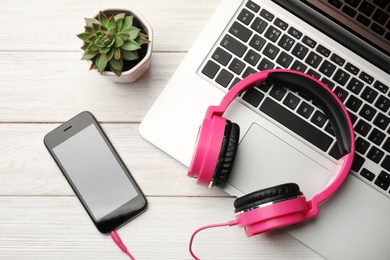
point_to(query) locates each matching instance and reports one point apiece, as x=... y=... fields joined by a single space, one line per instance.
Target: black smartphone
x=95 y=171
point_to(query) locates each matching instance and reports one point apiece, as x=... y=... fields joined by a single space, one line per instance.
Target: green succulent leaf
x=120 y=16
x=96 y=27
x=133 y=32
x=123 y=36
x=109 y=36
x=93 y=66
x=130 y=55
x=99 y=43
x=104 y=50
x=130 y=45
x=88 y=54
x=111 y=23
x=141 y=40
x=92 y=38
x=103 y=18
x=111 y=43
x=119 y=24
x=128 y=21
x=116 y=66
x=92 y=47
x=84 y=36
x=89 y=29
x=112 y=30
x=90 y=21
x=103 y=28
x=101 y=62
x=125 y=30
x=85 y=46
x=110 y=54
x=117 y=53
x=118 y=42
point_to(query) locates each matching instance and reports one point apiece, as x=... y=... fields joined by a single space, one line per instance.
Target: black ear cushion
x=279 y=192
x=227 y=154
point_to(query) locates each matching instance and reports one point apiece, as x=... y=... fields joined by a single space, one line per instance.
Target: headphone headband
x=323 y=97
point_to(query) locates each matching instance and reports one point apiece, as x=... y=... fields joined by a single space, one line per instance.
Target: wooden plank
x=59 y=228
x=43 y=25
x=52 y=87
x=26 y=167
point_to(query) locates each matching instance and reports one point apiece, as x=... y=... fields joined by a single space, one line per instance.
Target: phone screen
x=95 y=172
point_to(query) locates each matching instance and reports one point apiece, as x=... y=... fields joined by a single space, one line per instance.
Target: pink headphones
x=280 y=205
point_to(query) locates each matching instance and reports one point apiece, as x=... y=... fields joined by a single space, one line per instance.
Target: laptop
x=345 y=44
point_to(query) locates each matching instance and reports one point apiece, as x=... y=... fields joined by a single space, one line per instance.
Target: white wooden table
x=43 y=83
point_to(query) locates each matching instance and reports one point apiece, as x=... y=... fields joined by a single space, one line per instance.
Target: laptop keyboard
x=258 y=40
x=372 y=14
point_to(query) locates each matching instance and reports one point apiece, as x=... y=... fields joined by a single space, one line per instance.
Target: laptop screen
x=362 y=26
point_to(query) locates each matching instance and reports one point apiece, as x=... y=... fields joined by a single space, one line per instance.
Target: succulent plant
x=108 y=41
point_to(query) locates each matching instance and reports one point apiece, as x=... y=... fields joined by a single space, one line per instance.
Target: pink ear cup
x=207 y=149
x=273 y=216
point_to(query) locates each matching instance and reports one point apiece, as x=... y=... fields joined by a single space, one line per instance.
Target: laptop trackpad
x=264 y=160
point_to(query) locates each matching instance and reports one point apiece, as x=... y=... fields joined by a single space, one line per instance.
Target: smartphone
x=96 y=173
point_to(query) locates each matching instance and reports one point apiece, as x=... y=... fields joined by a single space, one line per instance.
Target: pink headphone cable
x=120 y=244
x=230 y=223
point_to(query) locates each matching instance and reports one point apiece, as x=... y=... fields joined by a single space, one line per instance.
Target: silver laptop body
x=247 y=36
